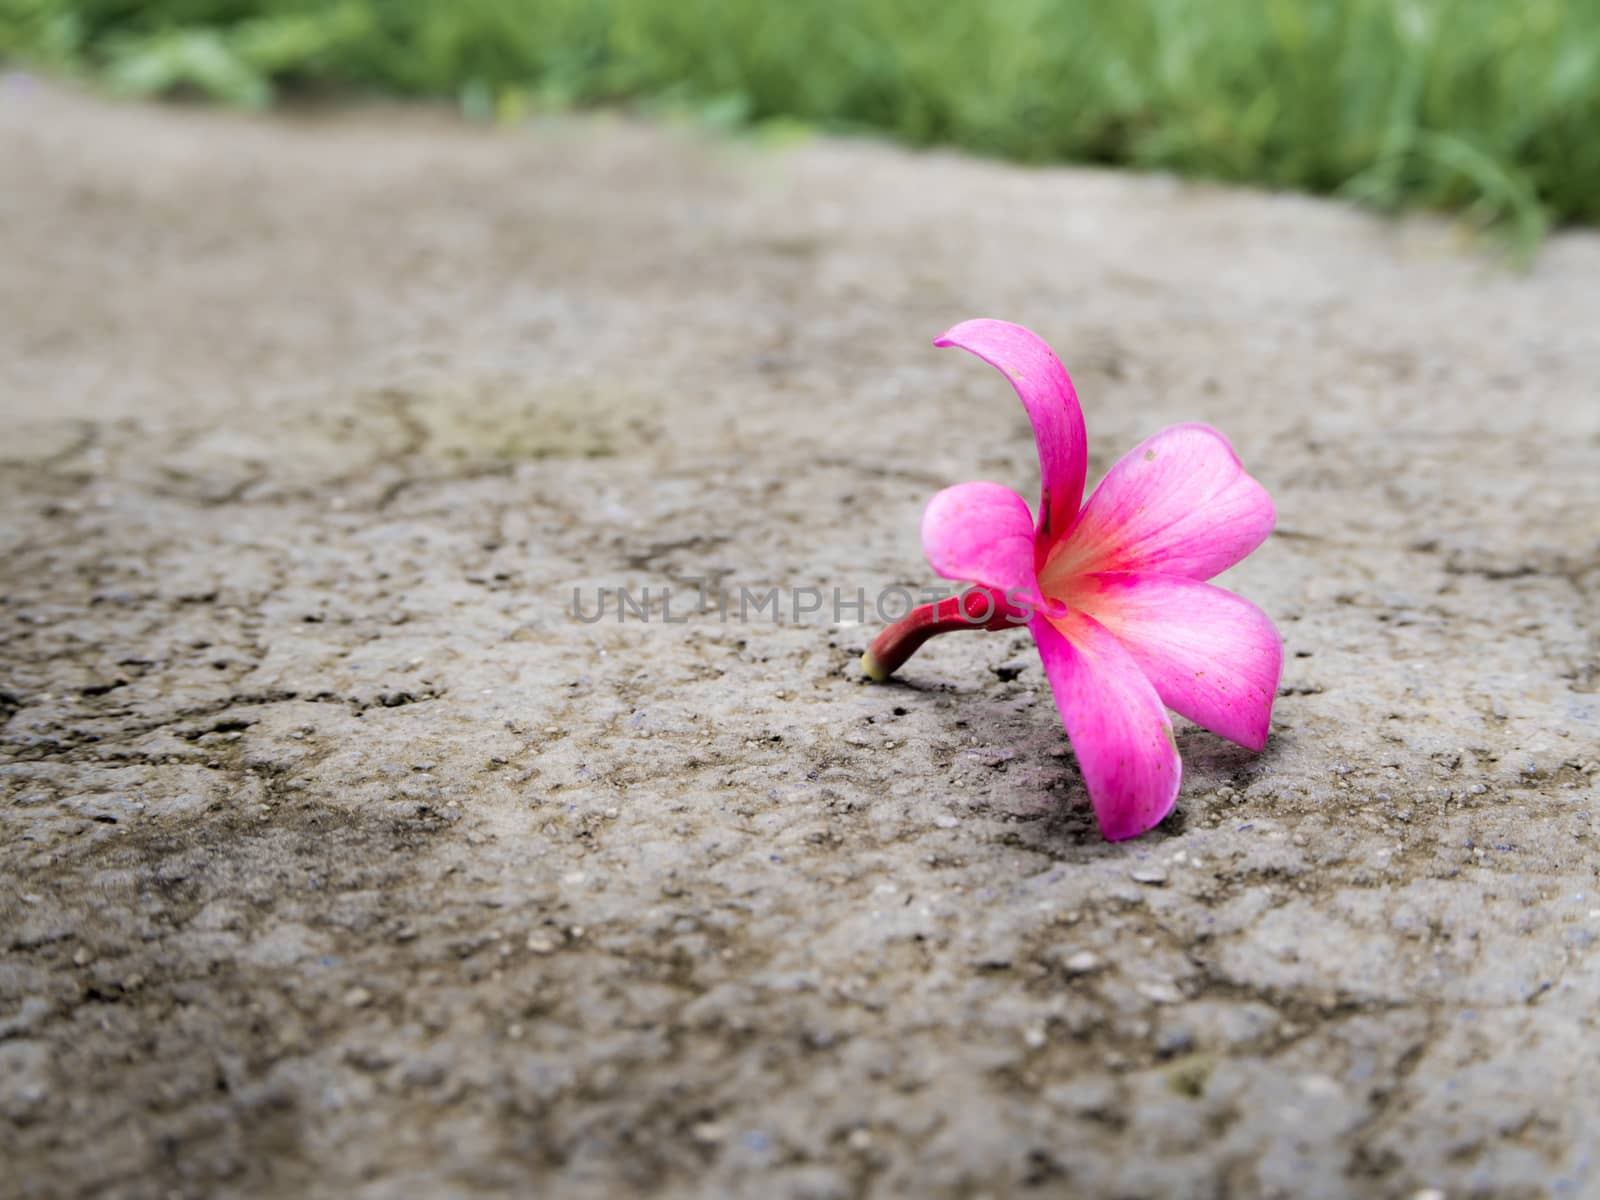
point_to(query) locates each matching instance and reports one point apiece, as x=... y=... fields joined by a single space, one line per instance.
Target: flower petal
x=1213 y=657
x=981 y=533
x=1118 y=728
x=1178 y=503
x=1045 y=389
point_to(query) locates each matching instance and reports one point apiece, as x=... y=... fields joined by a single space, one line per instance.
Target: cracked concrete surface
x=339 y=860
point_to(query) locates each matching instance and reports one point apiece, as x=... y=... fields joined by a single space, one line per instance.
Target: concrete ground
x=338 y=858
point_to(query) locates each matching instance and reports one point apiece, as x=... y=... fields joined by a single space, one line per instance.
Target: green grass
x=1487 y=106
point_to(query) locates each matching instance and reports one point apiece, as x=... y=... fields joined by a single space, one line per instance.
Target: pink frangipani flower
x=1112 y=590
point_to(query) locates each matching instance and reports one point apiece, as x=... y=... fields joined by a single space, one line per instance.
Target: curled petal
x=1046 y=391
x=981 y=533
x=1119 y=730
x=1178 y=503
x=1212 y=656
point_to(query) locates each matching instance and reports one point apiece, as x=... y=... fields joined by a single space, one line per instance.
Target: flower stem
x=979 y=608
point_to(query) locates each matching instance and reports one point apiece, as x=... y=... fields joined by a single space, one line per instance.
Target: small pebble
x=357 y=997
x=1083 y=962
x=990 y=758
x=1152 y=876
x=541 y=943
x=1174 y=1040
x=1160 y=993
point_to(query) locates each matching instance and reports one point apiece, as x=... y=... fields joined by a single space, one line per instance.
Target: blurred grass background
x=1490 y=107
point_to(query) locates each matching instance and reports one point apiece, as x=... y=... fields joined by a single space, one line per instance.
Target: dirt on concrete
x=339 y=858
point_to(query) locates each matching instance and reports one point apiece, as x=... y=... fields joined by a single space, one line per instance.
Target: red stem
x=979 y=608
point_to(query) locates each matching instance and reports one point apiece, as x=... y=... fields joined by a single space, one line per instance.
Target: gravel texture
x=337 y=858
